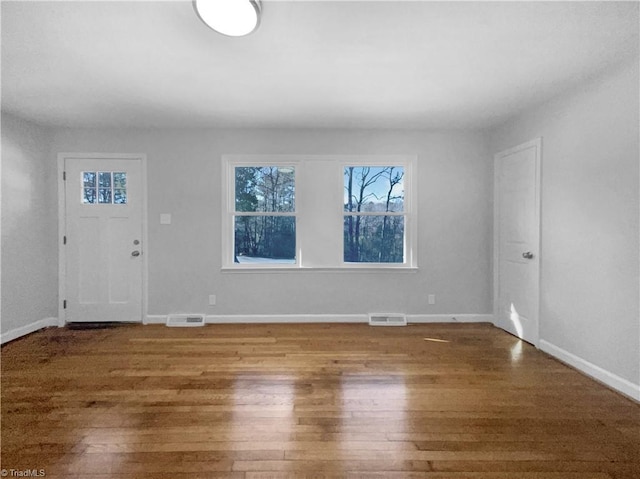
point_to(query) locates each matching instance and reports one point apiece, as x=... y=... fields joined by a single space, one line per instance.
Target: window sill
x=310 y=269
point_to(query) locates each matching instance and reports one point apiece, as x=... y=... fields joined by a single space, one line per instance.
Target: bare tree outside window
x=374 y=219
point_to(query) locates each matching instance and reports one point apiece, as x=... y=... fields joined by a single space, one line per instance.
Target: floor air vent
x=394 y=319
x=185 y=320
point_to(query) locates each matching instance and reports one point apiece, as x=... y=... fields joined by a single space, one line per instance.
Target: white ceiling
x=364 y=64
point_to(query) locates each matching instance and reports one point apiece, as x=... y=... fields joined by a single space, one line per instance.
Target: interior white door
x=103 y=249
x=517 y=240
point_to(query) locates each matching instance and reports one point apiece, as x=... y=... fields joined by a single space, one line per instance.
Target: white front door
x=517 y=240
x=103 y=228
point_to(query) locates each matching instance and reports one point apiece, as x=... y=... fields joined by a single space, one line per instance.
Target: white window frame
x=230 y=163
x=312 y=254
x=410 y=233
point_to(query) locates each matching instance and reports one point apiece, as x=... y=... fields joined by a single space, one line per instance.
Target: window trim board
x=230 y=161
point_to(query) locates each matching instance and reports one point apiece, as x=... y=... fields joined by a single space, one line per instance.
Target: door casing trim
x=62 y=257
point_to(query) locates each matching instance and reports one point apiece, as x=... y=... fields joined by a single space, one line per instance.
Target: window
x=374 y=214
x=264 y=216
x=318 y=212
x=104 y=187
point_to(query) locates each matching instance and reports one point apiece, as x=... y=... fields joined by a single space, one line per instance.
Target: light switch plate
x=165 y=218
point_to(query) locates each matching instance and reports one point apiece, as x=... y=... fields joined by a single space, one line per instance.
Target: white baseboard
x=326 y=318
x=270 y=318
x=27 y=329
x=596 y=372
x=155 y=319
x=288 y=318
x=450 y=318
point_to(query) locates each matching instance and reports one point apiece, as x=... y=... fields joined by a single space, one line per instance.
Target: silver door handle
x=527 y=255
x=135 y=253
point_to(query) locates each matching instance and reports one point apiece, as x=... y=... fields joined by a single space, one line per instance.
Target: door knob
x=527 y=255
x=135 y=253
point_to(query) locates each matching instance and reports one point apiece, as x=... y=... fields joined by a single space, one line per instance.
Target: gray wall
x=590 y=215
x=29 y=225
x=184 y=168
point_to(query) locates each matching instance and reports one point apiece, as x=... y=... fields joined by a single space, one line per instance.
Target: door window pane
x=104 y=187
x=104 y=195
x=104 y=179
x=119 y=196
x=89 y=195
x=119 y=180
x=89 y=179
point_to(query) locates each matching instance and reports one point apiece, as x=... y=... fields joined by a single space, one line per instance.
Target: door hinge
x=64 y=176
x=64 y=240
x=64 y=304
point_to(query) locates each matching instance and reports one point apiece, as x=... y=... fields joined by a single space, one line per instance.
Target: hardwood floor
x=307 y=401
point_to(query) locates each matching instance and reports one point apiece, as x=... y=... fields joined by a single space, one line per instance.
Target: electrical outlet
x=432 y=299
x=212 y=300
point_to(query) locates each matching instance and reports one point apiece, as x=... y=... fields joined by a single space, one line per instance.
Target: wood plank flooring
x=306 y=401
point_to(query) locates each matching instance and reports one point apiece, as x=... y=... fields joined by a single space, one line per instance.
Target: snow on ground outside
x=258 y=260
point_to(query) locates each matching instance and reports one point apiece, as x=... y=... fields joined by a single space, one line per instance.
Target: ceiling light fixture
x=234 y=18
